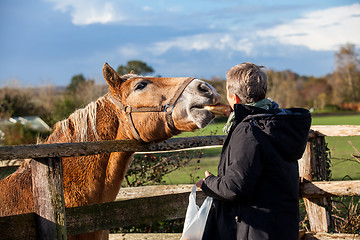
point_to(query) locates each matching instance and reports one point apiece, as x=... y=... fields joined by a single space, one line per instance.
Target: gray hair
x=247 y=81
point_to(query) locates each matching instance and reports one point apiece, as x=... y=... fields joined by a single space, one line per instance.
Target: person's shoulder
x=243 y=132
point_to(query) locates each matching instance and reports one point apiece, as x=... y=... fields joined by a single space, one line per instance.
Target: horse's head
x=156 y=108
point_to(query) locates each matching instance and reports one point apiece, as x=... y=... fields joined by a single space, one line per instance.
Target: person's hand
x=227 y=112
x=199 y=183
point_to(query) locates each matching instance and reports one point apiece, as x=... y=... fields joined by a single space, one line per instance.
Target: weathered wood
x=338 y=130
x=142 y=236
x=327 y=189
x=305 y=170
x=18 y=227
x=176 y=236
x=92 y=148
x=307 y=189
x=328 y=236
x=11 y=163
x=126 y=213
x=312 y=166
x=49 y=201
x=151 y=191
x=158 y=190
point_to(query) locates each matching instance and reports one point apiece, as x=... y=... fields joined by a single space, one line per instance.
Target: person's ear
x=236 y=99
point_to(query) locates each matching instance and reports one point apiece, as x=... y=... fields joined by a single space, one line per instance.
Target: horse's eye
x=140 y=85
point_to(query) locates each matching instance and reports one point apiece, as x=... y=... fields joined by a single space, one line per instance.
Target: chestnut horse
x=148 y=109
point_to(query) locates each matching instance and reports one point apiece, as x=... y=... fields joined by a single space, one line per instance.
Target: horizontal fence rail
x=92 y=148
x=337 y=130
x=307 y=189
x=19 y=152
x=330 y=189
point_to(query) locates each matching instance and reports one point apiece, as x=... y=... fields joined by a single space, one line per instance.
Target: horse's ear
x=111 y=76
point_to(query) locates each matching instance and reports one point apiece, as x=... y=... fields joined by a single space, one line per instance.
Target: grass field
x=353 y=119
x=340 y=151
x=343 y=165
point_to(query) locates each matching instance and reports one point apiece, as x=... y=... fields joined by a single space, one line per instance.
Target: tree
x=76 y=81
x=284 y=87
x=137 y=66
x=78 y=94
x=346 y=78
x=14 y=102
x=316 y=92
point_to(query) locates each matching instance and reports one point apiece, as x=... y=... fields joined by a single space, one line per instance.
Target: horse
x=142 y=108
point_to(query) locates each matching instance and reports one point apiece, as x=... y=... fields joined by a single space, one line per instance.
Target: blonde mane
x=83 y=121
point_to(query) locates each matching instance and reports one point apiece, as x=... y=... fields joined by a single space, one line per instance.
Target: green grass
x=195 y=170
x=343 y=165
x=214 y=128
x=340 y=151
x=353 y=119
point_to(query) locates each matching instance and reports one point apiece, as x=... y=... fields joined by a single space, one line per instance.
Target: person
x=256 y=192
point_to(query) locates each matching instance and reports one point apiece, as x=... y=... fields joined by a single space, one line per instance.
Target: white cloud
x=84 y=12
x=129 y=51
x=175 y=9
x=147 y=8
x=210 y=41
x=320 y=30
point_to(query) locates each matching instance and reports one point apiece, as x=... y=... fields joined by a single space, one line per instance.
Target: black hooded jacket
x=256 y=192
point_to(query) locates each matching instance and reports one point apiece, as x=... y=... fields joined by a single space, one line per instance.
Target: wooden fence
x=146 y=204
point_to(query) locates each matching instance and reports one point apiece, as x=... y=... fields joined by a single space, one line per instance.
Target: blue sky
x=46 y=42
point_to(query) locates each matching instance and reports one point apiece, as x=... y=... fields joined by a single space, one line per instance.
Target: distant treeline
x=285 y=87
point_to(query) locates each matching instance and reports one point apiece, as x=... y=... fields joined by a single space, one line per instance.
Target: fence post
x=49 y=202
x=313 y=167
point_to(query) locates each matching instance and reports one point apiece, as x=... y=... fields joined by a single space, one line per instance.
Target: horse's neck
x=115 y=173
x=113 y=127
x=100 y=121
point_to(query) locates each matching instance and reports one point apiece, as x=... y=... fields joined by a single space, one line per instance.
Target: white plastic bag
x=196 y=217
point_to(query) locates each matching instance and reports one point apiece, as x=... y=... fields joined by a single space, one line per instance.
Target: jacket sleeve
x=243 y=170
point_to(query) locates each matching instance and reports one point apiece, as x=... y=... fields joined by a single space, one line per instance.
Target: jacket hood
x=286 y=129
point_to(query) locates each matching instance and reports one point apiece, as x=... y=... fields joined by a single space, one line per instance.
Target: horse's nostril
x=204 y=88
